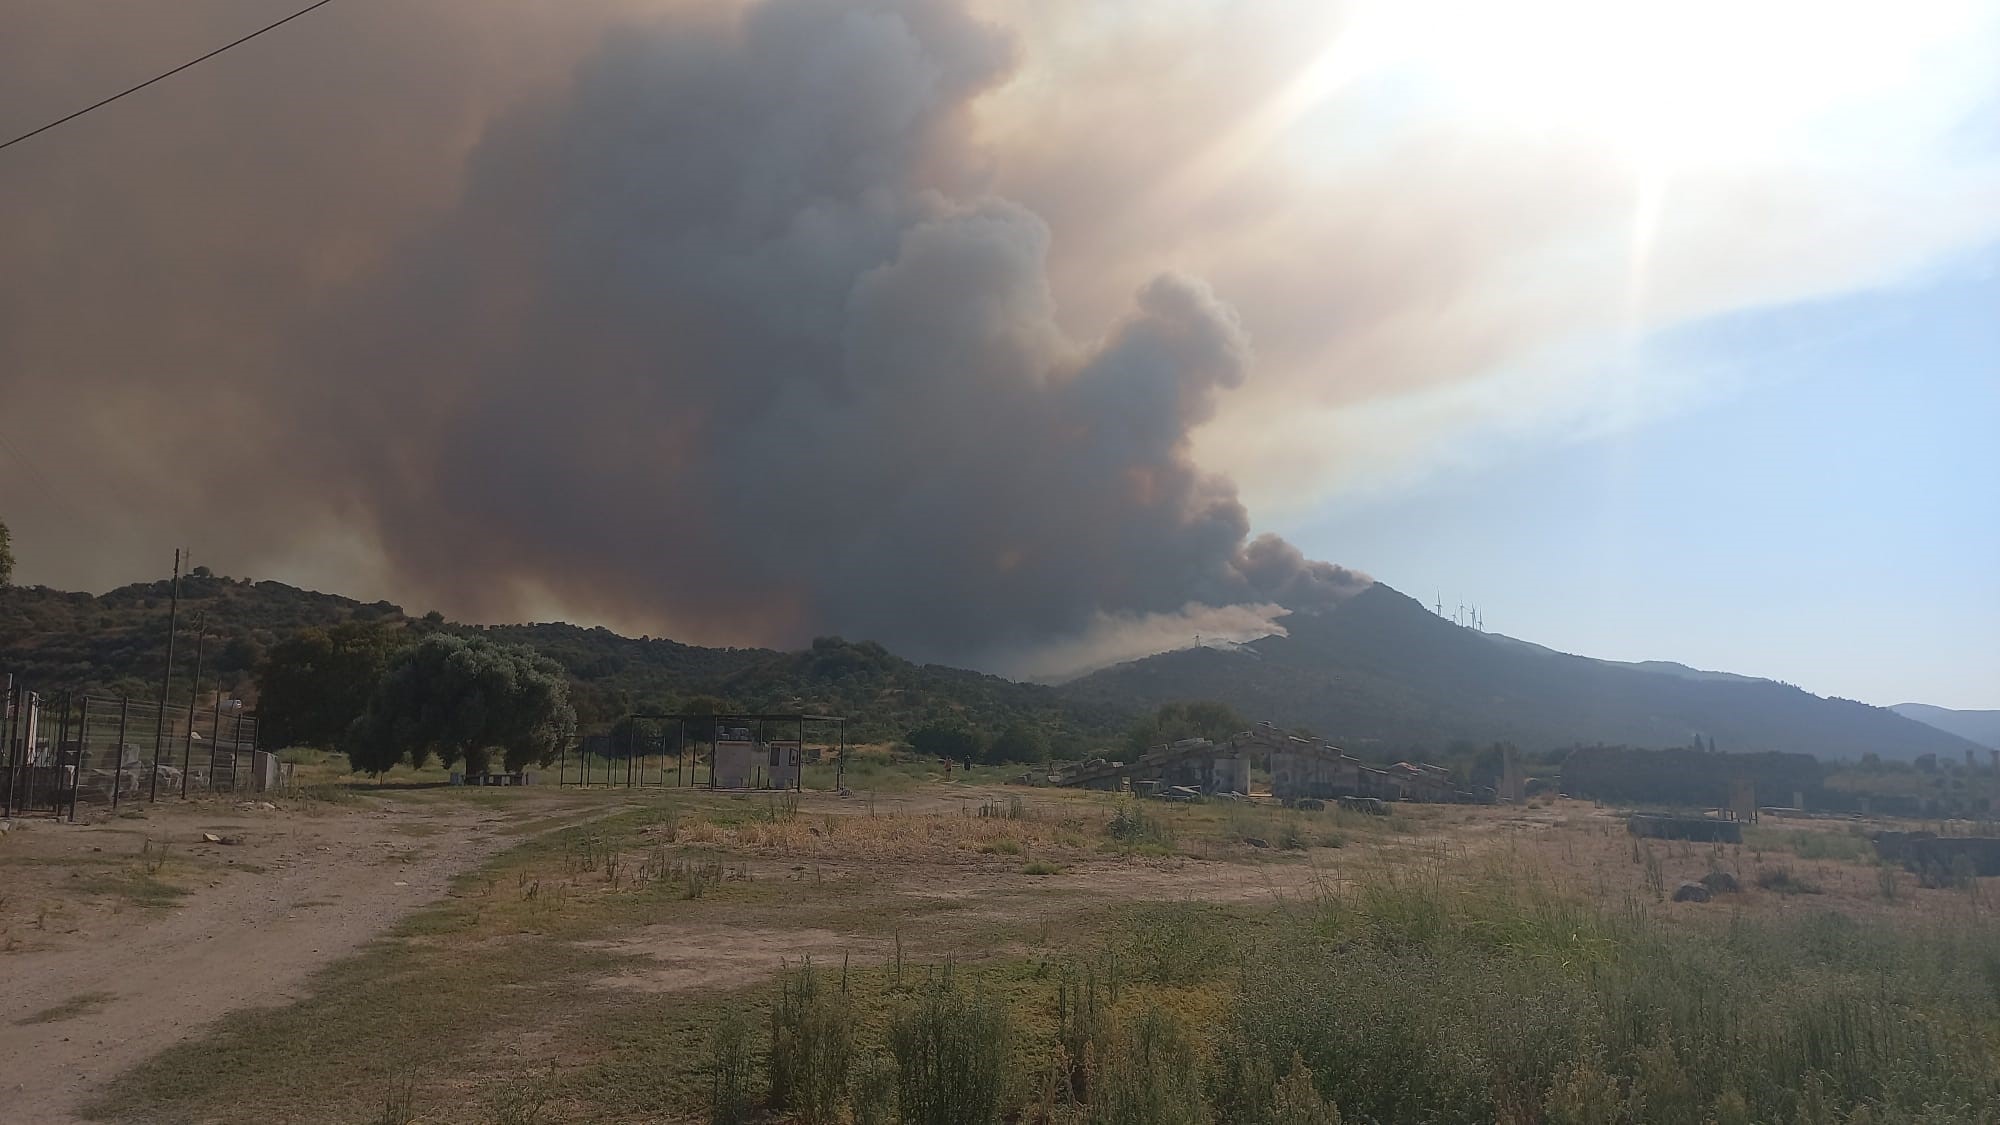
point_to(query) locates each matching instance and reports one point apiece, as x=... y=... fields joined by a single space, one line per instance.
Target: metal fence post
x=118 y=776
x=82 y=746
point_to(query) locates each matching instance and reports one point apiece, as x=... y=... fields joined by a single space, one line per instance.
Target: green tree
x=464 y=698
x=700 y=731
x=1175 y=721
x=946 y=738
x=313 y=684
x=1020 y=743
x=6 y=555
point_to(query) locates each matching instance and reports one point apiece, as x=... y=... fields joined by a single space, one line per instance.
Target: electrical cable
x=168 y=74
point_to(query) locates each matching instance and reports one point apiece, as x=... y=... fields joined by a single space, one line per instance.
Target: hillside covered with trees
x=1382 y=673
x=116 y=643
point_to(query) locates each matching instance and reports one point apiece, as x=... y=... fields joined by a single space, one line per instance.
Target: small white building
x=743 y=761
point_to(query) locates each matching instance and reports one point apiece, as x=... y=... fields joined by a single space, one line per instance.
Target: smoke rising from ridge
x=747 y=321
x=728 y=337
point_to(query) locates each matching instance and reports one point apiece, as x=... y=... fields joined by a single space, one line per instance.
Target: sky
x=1030 y=335
x=1831 y=518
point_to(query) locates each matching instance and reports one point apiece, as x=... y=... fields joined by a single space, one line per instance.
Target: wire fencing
x=63 y=748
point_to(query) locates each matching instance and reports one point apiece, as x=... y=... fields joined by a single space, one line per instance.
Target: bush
x=811 y=1047
x=949 y=1048
x=1133 y=828
x=729 y=1100
x=1151 y=1076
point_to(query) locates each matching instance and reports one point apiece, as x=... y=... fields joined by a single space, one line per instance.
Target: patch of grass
x=69 y=1009
x=1425 y=999
x=1417 y=985
x=1848 y=846
x=1040 y=868
x=1782 y=881
x=137 y=887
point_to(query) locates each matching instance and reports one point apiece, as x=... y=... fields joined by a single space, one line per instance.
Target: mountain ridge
x=1382 y=669
x=1982 y=727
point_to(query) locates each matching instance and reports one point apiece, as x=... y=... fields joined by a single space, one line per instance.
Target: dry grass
x=601 y=957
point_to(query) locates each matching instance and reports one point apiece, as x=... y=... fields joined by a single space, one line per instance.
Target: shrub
x=1150 y=1077
x=1133 y=828
x=949 y=1047
x=811 y=1047
x=729 y=1100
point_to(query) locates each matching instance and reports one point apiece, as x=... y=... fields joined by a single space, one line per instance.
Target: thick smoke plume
x=745 y=320
x=728 y=339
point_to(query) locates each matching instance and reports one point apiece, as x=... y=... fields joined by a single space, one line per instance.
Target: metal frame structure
x=53 y=746
x=685 y=773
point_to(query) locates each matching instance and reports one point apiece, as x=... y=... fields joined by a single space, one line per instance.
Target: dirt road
x=293 y=893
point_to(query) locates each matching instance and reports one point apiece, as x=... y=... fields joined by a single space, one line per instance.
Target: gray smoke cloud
x=729 y=337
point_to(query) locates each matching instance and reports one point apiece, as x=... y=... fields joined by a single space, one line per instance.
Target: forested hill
x=116 y=642
x=1382 y=672
x=1982 y=727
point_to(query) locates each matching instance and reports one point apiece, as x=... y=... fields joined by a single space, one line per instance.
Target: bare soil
x=259 y=916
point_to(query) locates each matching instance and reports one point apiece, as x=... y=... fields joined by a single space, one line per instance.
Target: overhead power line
x=168 y=74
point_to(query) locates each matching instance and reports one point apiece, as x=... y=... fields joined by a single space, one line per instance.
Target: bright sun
x=1672 y=83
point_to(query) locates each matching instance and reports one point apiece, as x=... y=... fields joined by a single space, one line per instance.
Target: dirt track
x=304 y=891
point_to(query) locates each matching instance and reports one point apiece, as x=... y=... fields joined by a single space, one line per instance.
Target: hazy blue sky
x=1833 y=520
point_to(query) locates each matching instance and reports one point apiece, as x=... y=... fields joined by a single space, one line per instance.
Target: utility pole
x=194 y=691
x=166 y=681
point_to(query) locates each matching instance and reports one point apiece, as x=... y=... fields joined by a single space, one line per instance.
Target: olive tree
x=464 y=698
x=314 y=684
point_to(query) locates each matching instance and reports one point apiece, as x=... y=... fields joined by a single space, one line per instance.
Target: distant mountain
x=116 y=643
x=1982 y=727
x=1381 y=670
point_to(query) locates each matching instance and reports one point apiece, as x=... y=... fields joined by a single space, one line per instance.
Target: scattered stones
x=1691 y=892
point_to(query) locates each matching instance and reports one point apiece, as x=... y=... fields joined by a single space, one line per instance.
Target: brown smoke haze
x=945 y=325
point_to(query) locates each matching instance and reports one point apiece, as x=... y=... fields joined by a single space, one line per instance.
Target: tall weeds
x=812 y=1047
x=949 y=1045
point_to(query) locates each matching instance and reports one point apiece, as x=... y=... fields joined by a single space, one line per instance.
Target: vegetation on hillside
x=1385 y=677
x=116 y=643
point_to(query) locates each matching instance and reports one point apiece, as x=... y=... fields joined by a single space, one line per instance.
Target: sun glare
x=1672 y=83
